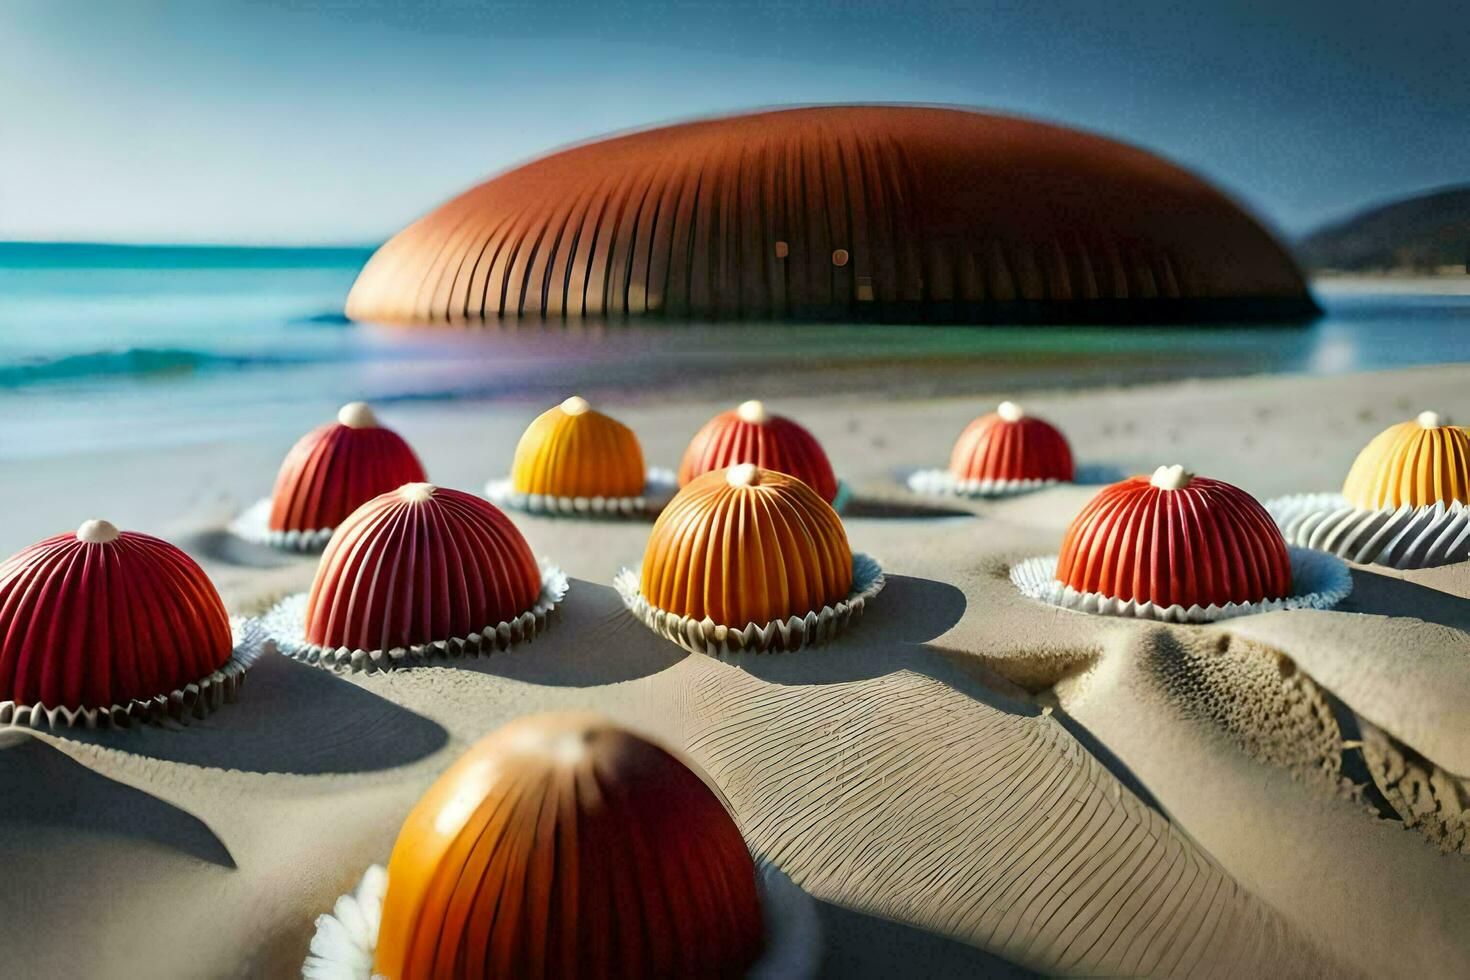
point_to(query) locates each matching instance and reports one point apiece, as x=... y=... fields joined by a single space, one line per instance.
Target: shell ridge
x=783 y=586
x=174 y=631
x=162 y=626
x=64 y=675
x=375 y=568
x=727 y=597
x=33 y=614
x=442 y=599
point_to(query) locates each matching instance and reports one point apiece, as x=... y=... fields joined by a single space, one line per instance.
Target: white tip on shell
x=753 y=411
x=97 y=532
x=416 y=493
x=1010 y=411
x=1173 y=477
x=357 y=415
x=576 y=405
x=1431 y=420
x=743 y=475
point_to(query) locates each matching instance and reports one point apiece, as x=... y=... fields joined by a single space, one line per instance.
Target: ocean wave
x=131 y=362
x=332 y=318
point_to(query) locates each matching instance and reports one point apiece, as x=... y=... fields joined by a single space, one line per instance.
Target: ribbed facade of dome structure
x=899 y=213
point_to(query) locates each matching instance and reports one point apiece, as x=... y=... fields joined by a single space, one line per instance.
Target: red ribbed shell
x=95 y=624
x=336 y=468
x=564 y=846
x=993 y=448
x=1208 y=543
x=776 y=444
x=402 y=571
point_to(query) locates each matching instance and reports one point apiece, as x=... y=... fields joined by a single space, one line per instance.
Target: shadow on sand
x=1385 y=595
x=893 y=635
x=289 y=718
x=873 y=507
x=48 y=790
x=592 y=641
x=856 y=944
x=222 y=546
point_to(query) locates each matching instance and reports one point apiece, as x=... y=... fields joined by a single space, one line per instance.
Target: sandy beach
x=969 y=782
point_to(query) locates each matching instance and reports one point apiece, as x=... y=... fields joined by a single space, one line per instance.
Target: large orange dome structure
x=900 y=213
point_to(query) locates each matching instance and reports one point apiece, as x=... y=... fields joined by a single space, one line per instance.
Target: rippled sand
x=971 y=783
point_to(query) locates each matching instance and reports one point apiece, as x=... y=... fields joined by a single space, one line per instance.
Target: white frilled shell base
x=286 y=625
x=346 y=939
x=1409 y=537
x=1318 y=581
x=943 y=483
x=183 y=705
x=253 y=525
x=658 y=489
x=707 y=636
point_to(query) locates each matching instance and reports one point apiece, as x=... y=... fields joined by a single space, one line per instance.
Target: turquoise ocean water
x=122 y=346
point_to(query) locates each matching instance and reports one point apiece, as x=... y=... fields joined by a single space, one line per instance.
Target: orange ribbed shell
x=1410 y=464
x=746 y=554
x=336 y=468
x=777 y=443
x=402 y=571
x=95 y=624
x=994 y=448
x=564 y=846
x=838 y=213
x=578 y=455
x=1208 y=543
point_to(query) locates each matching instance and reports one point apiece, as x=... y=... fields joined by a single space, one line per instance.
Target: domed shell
x=877 y=212
x=336 y=468
x=417 y=565
x=573 y=450
x=750 y=434
x=1175 y=539
x=102 y=617
x=1008 y=445
x=746 y=545
x=1418 y=464
x=562 y=845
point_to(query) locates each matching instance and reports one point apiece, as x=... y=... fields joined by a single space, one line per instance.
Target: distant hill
x=1425 y=233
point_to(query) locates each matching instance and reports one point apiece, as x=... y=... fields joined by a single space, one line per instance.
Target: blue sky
x=332 y=122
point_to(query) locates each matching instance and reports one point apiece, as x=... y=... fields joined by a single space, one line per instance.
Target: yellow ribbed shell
x=578 y=453
x=748 y=553
x=1411 y=464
